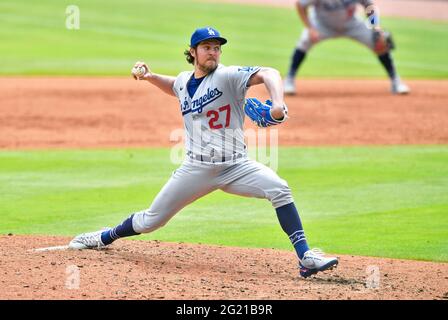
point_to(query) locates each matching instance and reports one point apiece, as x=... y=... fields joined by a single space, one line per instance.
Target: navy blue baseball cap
x=206 y=33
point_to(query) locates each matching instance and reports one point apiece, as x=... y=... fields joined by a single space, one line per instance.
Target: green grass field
x=378 y=201
x=114 y=34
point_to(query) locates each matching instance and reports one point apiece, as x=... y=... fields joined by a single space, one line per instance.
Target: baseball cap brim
x=220 y=39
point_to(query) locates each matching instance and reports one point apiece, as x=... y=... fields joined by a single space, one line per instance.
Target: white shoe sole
x=77 y=246
x=305 y=272
x=401 y=92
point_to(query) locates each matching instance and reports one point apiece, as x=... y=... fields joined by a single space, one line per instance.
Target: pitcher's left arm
x=273 y=82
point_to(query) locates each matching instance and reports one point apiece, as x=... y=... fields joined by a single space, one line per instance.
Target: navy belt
x=204 y=158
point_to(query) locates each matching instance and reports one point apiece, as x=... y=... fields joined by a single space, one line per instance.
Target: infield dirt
x=117 y=112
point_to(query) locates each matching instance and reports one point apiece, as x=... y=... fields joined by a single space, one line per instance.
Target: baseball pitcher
x=213 y=106
x=328 y=19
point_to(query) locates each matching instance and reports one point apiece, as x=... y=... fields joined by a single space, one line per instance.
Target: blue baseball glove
x=260 y=113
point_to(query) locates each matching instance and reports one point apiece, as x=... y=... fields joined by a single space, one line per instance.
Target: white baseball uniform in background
x=336 y=18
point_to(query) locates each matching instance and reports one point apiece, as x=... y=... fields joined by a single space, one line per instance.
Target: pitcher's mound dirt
x=156 y=270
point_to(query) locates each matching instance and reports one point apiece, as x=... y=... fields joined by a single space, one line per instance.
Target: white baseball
x=139 y=71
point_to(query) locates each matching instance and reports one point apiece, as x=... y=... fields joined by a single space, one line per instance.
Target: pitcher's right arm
x=163 y=82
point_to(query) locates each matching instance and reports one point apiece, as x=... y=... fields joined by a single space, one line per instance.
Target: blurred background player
x=329 y=19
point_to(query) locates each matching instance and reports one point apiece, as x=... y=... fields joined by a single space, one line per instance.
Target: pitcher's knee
x=146 y=221
x=281 y=195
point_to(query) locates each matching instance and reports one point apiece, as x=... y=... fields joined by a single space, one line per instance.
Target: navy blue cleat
x=313 y=261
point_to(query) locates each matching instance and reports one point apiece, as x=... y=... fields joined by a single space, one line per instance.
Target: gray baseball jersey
x=214 y=116
x=216 y=153
x=336 y=18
